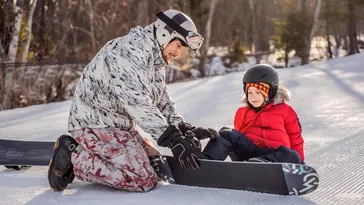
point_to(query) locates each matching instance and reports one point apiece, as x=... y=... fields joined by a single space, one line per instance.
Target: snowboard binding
x=18 y=168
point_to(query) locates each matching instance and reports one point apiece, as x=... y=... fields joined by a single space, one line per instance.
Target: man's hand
x=183 y=149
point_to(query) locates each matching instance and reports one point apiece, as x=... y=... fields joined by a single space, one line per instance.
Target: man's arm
x=167 y=107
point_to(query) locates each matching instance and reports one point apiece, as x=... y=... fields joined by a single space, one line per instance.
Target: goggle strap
x=172 y=24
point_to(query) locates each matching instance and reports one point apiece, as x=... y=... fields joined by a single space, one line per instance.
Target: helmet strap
x=172 y=24
x=155 y=38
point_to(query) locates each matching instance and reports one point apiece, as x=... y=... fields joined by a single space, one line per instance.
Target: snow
x=328 y=97
x=216 y=67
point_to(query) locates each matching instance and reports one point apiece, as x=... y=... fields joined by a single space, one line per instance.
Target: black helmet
x=263 y=73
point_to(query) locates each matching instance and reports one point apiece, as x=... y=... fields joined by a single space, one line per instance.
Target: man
x=124 y=86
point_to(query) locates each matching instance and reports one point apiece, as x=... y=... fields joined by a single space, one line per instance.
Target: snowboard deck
x=273 y=178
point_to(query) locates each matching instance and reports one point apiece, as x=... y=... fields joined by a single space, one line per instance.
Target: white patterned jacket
x=124 y=85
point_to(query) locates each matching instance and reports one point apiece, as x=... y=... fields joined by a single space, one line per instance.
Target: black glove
x=185 y=150
x=200 y=132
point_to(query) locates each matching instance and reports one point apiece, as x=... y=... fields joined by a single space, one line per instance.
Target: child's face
x=255 y=97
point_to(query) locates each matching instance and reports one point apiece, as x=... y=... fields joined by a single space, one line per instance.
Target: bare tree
x=142 y=17
x=8 y=93
x=2 y=52
x=254 y=26
x=18 y=12
x=337 y=25
x=11 y=58
x=327 y=29
x=91 y=16
x=262 y=27
x=28 y=30
x=229 y=18
x=301 y=4
x=63 y=29
x=206 y=46
x=2 y=85
x=351 y=28
x=312 y=33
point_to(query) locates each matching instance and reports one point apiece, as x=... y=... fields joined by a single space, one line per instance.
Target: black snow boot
x=260 y=159
x=60 y=170
x=281 y=154
x=18 y=168
x=161 y=168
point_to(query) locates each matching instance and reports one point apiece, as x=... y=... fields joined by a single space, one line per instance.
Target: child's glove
x=200 y=132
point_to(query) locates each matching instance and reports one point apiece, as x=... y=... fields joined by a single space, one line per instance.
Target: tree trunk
x=306 y=59
x=91 y=16
x=28 y=30
x=2 y=86
x=334 y=27
x=18 y=11
x=11 y=58
x=328 y=38
x=353 y=41
x=8 y=85
x=2 y=52
x=28 y=34
x=300 y=4
x=228 y=23
x=59 y=86
x=142 y=20
x=206 y=45
x=246 y=40
x=263 y=28
x=286 y=57
x=42 y=34
x=197 y=14
x=253 y=33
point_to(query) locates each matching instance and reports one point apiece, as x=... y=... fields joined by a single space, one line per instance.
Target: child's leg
x=281 y=154
x=231 y=142
x=115 y=158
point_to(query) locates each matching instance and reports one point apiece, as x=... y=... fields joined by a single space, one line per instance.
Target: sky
x=328 y=96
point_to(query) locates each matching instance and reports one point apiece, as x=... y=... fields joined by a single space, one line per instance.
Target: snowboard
x=272 y=178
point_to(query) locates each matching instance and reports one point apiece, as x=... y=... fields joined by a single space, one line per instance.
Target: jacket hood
x=283 y=95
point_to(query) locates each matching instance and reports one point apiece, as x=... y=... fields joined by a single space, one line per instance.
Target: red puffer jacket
x=275 y=125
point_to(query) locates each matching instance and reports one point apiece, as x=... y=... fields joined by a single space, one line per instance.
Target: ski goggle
x=192 y=39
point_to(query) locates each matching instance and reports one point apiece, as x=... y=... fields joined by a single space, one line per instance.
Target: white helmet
x=171 y=24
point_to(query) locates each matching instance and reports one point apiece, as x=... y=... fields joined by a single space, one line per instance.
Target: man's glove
x=185 y=150
x=200 y=132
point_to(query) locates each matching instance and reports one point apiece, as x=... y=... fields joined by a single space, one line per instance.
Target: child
x=266 y=129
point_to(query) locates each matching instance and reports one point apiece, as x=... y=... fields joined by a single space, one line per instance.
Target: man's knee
x=145 y=187
x=140 y=184
x=141 y=179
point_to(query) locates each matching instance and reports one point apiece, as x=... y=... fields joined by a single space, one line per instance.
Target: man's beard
x=165 y=58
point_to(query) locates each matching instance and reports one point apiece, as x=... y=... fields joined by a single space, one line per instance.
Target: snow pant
x=114 y=157
x=236 y=145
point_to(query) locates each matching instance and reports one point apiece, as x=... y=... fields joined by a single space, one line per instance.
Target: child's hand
x=203 y=133
x=200 y=132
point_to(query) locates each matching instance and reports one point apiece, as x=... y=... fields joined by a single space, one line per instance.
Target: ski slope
x=328 y=96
